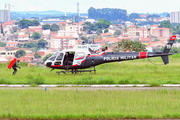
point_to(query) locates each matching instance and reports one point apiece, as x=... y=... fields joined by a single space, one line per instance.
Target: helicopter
x=84 y=57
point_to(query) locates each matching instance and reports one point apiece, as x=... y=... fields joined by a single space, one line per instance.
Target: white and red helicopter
x=76 y=59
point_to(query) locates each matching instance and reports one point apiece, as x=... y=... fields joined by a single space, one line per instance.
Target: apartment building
x=4 y=16
x=160 y=32
x=23 y=38
x=143 y=32
x=175 y=17
x=62 y=42
x=132 y=31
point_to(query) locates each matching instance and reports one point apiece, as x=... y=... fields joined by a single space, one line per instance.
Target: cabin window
x=53 y=56
x=60 y=56
x=79 y=56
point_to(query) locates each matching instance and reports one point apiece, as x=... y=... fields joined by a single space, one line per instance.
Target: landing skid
x=76 y=71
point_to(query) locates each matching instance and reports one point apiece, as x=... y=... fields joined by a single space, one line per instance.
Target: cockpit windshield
x=60 y=57
x=53 y=57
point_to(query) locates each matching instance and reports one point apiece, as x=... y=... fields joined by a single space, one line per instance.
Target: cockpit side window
x=79 y=56
x=53 y=57
x=60 y=57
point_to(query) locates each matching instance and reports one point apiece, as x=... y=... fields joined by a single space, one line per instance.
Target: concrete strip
x=92 y=86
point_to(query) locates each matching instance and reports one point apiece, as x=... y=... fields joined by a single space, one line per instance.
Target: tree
x=36 y=55
x=2 y=44
x=31 y=45
x=152 y=16
x=134 y=16
x=26 y=23
x=46 y=26
x=36 y=35
x=54 y=27
x=42 y=43
x=34 y=23
x=118 y=32
x=128 y=45
x=2 y=32
x=20 y=53
x=111 y=14
x=106 y=30
x=47 y=56
x=178 y=29
x=166 y=24
x=102 y=24
x=99 y=31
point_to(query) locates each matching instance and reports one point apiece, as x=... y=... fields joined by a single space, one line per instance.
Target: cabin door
x=59 y=59
x=79 y=58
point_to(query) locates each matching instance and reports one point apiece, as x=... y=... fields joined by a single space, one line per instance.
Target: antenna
x=9 y=11
x=5 y=12
x=78 y=17
x=65 y=12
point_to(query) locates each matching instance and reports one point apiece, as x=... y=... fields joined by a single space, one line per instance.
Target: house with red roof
x=112 y=40
x=30 y=55
x=98 y=40
x=25 y=59
x=2 y=48
x=11 y=44
x=23 y=38
x=104 y=35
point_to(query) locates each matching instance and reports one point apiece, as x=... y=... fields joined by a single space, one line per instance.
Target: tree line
x=26 y=23
x=107 y=14
x=101 y=24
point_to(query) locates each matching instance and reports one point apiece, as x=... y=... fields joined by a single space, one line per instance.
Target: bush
x=106 y=81
x=155 y=85
x=4 y=81
x=35 y=80
x=124 y=81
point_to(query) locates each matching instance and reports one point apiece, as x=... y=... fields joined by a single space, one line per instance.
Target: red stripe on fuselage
x=56 y=65
x=80 y=58
x=83 y=61
x=96 y=55
x=142 y=55
x=75 y=65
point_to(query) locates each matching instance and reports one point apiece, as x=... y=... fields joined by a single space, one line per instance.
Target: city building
x=23 y=38
x=62 y=42
x=12 y=52
x=160 y=32
x=4 y=16
x=143 y=32
x=132 y=31
x=51 y=21
x=175 y=17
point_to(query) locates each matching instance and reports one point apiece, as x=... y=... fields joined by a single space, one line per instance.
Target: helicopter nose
x=48 y=64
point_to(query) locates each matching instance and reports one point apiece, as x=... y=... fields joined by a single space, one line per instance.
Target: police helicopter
x=83 y=56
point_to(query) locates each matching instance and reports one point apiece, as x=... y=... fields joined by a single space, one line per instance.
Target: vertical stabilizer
x=165 y=59
x=169 y=44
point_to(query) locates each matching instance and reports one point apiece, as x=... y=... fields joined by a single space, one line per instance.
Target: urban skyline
x=132 y=6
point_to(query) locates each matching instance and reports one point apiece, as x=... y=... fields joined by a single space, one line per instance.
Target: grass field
x=77 y=104
x=127 y=72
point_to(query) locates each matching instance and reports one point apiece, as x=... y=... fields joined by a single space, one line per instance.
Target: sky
x=132 y=6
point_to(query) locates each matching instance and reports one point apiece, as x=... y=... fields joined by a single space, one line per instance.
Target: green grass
x=127 y=72
x=76 y=104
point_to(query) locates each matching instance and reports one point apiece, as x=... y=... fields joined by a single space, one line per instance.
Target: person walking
x=15 y=66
